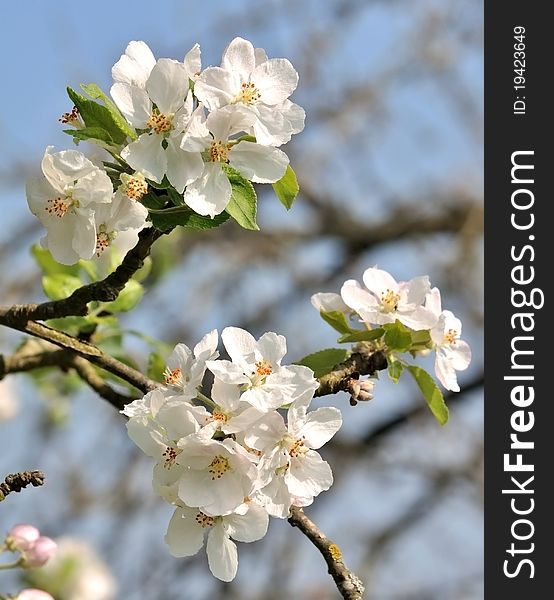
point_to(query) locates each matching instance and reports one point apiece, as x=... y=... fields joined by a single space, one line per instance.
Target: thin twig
x=349 y=584
x=17 y=481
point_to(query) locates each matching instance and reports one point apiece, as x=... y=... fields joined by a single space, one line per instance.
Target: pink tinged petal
x=239 y=56
x=417 y=319
x=225 y=395
x=418 y=288
x=135 y=65
x=210 y=193
x=222 y=554
x=182 y=167
x=446 y=373
x=276 y=79
x=308 y=475
x=168 y=85
x=147 y=155
x=320 y=426
x=356 y=297
x=379 y=282
x=133 y=102
x=192 y=62
x=257 y=163
x=227 y=371
x=95 y=187
x=184 y=535
x=329 y=302
x=240 y=344
x=249 y=527
x=272 y=347
x=217 y=87
x=207 y=346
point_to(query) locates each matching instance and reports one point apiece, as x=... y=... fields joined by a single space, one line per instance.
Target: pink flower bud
x=40 y=552
x=33 y=594
x=361 y=390
x=22 y=537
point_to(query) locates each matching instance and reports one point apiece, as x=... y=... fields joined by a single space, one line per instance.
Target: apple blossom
x=21 y=537
x=33 y=594
x=39 y=552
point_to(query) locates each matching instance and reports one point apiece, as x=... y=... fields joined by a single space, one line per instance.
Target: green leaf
x=60 y=285
x=365 y=335
x=431 y=393
x=92 y=90
x=395 y=369
x=97 y=116
x=324 y=361
x=287 y=188
x=128 y=298
x=175 y=198
x=49 y=266
x=91 y=133
x=337 y=320
x=397 y=337
x=153 y=201
x=243 y=204
x=184 y=216
x=156 y=367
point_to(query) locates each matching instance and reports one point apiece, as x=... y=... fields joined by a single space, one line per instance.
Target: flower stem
x=207 y=401
x=12 y=565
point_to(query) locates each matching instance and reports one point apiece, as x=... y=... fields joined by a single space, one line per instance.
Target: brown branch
x=360 y=363
x=349 y=585
x=105 y=290
x=17 y=481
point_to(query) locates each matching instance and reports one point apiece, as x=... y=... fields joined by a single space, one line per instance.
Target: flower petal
x=379 y=282
x=133 y=102
x=192 y=62
x=276 y=79
x=182 y=167
x=135 y=65
x=210 y=193
x=257 y=163
x=308 y=475
x=249 y=527
x=217 y=87
x=356 y=297
x=239 y=56
x=168 y=85
x=222 y=554
x=147 y=155
x=185 y=536
x=320 y=426
x=240 y=345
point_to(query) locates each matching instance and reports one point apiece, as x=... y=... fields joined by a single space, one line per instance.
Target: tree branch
x=105 y=290
x=17 y=481
x=349 y=585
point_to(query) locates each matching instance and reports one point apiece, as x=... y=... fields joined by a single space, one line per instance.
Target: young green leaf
x=337 y=320
x=92 y=90
x=182 y=215
x=324 y=361
x=91 y=133
x=128 y=298
x=397 y=337
x=431 y=393
x=394 y=369
x=156 y=367
x=60 y=285
x=365 y=335
x=243 y=204
x=287 y=188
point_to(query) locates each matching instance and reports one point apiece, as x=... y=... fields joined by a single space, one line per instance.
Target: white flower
x=256 y=367
x=289 y=459
x=122 y=214
x=185 y=535
x=211 y=192
x=329 y=302
x=388 y=300
x=248 y=78
x=163 y=107
x=220 y=475
x=65 y=201
x=134 y=67
x=185 y=368
x=452 y=353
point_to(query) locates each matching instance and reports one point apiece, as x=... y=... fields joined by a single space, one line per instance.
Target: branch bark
x=349 y=584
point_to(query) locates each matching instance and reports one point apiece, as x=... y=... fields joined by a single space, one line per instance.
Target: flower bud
x=21 y=537
x=33 y=594
x=361 y=390
x=40 y=552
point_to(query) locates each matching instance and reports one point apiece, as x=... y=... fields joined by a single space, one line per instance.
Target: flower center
x=219 y=152
x=390 y=300
x=174 y=377
x=297 y=448
x=218 y=467
x=104 y=239
x=170 y=455
x=219 y=416
x=204 y=520
x=263 y=368
x=60 y=206
x=71 y=118
x=248 y=94
x=134 y=186
x=450 y=336
x=159 y=122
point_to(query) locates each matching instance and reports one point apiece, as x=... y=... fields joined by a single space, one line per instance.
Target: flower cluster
x=229 y=462
x=35 y=549
x=170 y=125
x=382 y=300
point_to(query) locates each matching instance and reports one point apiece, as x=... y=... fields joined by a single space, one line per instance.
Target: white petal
x=260 y=55
x=356 y=297
x=178 y=419
x=225 y=395
x=135 y=65
x=168 y=85
x=95 y=187
x=308 y=475
x=192 y=62
x=182 y=167
x=62 y=233
x=276 y=79
x=261 y=164
x=272 y=347
x=417 y=319
x=229 y=120
x=84 y=238
x=379 y=281
x=210 y=193
x=249 y=527
x=207 y=346
x=184 y=535
x=264 y=399
x=144 y=437
x=227 y=371
x=217 y=87
x=329 y=302
x=459 y=355
x=239 y=56
x=433 y=301
x=418 y=288
x=38 y=192
x=277 y=498
x=320 y=426
x=266 y=433
x=65 y=167
x=446 y=373
x=240 y=344
x=147 y=155
x=222 y=554
x=133 y=102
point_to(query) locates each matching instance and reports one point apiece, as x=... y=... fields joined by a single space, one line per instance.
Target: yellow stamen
x=218 y=467
x=159 y=122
